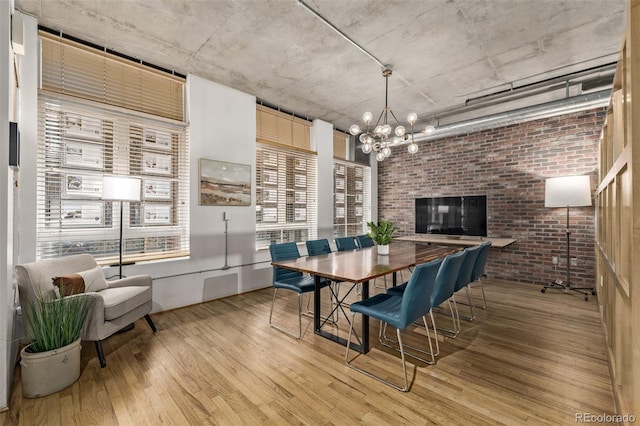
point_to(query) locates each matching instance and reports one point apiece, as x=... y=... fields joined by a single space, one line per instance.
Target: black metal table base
x=364 y=347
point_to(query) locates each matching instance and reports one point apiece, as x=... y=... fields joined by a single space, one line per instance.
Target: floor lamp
x=121 y=188
x=568 y=191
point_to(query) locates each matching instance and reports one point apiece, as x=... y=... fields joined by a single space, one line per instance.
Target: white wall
x=6 y=305
x=322 y=142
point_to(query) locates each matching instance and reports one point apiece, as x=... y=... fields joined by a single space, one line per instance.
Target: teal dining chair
x=399 y=312
x=317 y=248
x=478 y=270
x=464 y=279
x=286 y=279
x=364 y=241
x=346 y=243
x=443 y=291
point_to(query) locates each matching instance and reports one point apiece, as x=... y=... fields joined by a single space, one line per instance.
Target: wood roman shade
x=77 y=70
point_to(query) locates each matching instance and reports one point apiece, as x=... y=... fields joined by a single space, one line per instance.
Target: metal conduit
x=521 y=115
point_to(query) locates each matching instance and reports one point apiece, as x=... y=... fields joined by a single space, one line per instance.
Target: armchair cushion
x=94 y=279
x=89 y=280
x=120 y=300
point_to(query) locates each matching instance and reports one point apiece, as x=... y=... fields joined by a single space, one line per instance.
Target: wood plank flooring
x=530 y=358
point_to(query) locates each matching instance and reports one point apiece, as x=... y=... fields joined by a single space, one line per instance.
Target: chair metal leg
x=385 y=341
x=469 y=304
x=435 y=333
x=273 y=301
x=150 y=322
x=456 y=325
x=373 y=376
x=103 y=362
x=484 y=300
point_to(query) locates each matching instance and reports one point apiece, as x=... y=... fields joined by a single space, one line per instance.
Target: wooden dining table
x=359 y=267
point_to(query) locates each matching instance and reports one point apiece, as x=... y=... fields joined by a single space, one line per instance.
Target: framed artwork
x=156 y=163
x=270 y=177
x=82 y=214
x=300 y=214
x=339 y=183
x=270 y=214
x=359 y=185
x=339 y=197
x=300 y=197
x=83 y=185
x=157 y=214
x=359 y=198
x=300 y=181
x=157 y=139
x=339 y=212
x=156 y=189
x=82 y=126
x=358 y=210
x=340 y=169
x=269 y=195
x=224 y=184
x=82 y=154
x=358 y=172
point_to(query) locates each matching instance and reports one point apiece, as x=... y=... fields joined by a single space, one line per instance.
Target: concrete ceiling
x=443 y=52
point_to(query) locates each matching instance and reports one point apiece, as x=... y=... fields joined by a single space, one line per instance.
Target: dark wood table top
x=365 y=264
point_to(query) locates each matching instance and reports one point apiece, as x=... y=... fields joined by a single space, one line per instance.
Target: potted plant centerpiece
x=382 y=235
x=51 y=360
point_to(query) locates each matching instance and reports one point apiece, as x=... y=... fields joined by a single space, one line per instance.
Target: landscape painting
x=224 y=184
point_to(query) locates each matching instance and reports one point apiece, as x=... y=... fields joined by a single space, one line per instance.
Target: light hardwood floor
x=530 y=358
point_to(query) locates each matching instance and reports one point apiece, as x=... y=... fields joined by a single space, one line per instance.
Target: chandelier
x=378 y=140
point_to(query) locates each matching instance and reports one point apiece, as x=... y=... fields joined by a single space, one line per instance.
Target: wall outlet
x=574 y=261
x=554 y=260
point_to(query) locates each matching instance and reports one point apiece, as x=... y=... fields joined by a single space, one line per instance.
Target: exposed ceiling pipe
x=521 y=115
x=340 y=33
x=572 y=78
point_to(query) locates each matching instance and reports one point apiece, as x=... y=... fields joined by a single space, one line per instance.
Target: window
x=352 y=198
x=91 y=124
x=286 y=179
x=286 y=208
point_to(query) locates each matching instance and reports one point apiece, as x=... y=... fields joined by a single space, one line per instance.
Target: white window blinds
x=286 y=195
x=352 y=198
x=83 y=137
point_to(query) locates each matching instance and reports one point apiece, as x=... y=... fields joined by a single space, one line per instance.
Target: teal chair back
x=446 y=279
x=364 y=241
x=464 y=275
x=346 y=243
x=318 y=247
x=417 y=295
x=284 y=251
x=481 y=261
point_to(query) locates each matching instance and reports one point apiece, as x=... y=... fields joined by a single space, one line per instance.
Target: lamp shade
x=121 y=188
x=567 y=191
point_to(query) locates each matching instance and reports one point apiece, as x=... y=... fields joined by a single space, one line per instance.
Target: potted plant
x=382 y=235
x=51 y=360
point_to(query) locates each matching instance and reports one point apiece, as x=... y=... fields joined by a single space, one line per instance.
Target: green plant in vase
x=382 y=234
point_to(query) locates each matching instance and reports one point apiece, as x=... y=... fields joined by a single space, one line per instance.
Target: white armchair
x=117 y=304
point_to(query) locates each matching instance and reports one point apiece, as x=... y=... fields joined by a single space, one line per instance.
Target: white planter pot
x=383 y=249
x=44 y=373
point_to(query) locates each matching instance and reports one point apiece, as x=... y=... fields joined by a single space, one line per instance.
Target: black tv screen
x=464 y=215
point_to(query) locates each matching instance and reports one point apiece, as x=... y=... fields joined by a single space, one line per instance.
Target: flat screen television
x=464 y=215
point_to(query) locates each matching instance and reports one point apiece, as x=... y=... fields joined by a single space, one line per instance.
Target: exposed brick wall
x=509 y=165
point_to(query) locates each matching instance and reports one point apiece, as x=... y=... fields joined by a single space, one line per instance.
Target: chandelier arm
x=394 y=117
x=380 y=117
